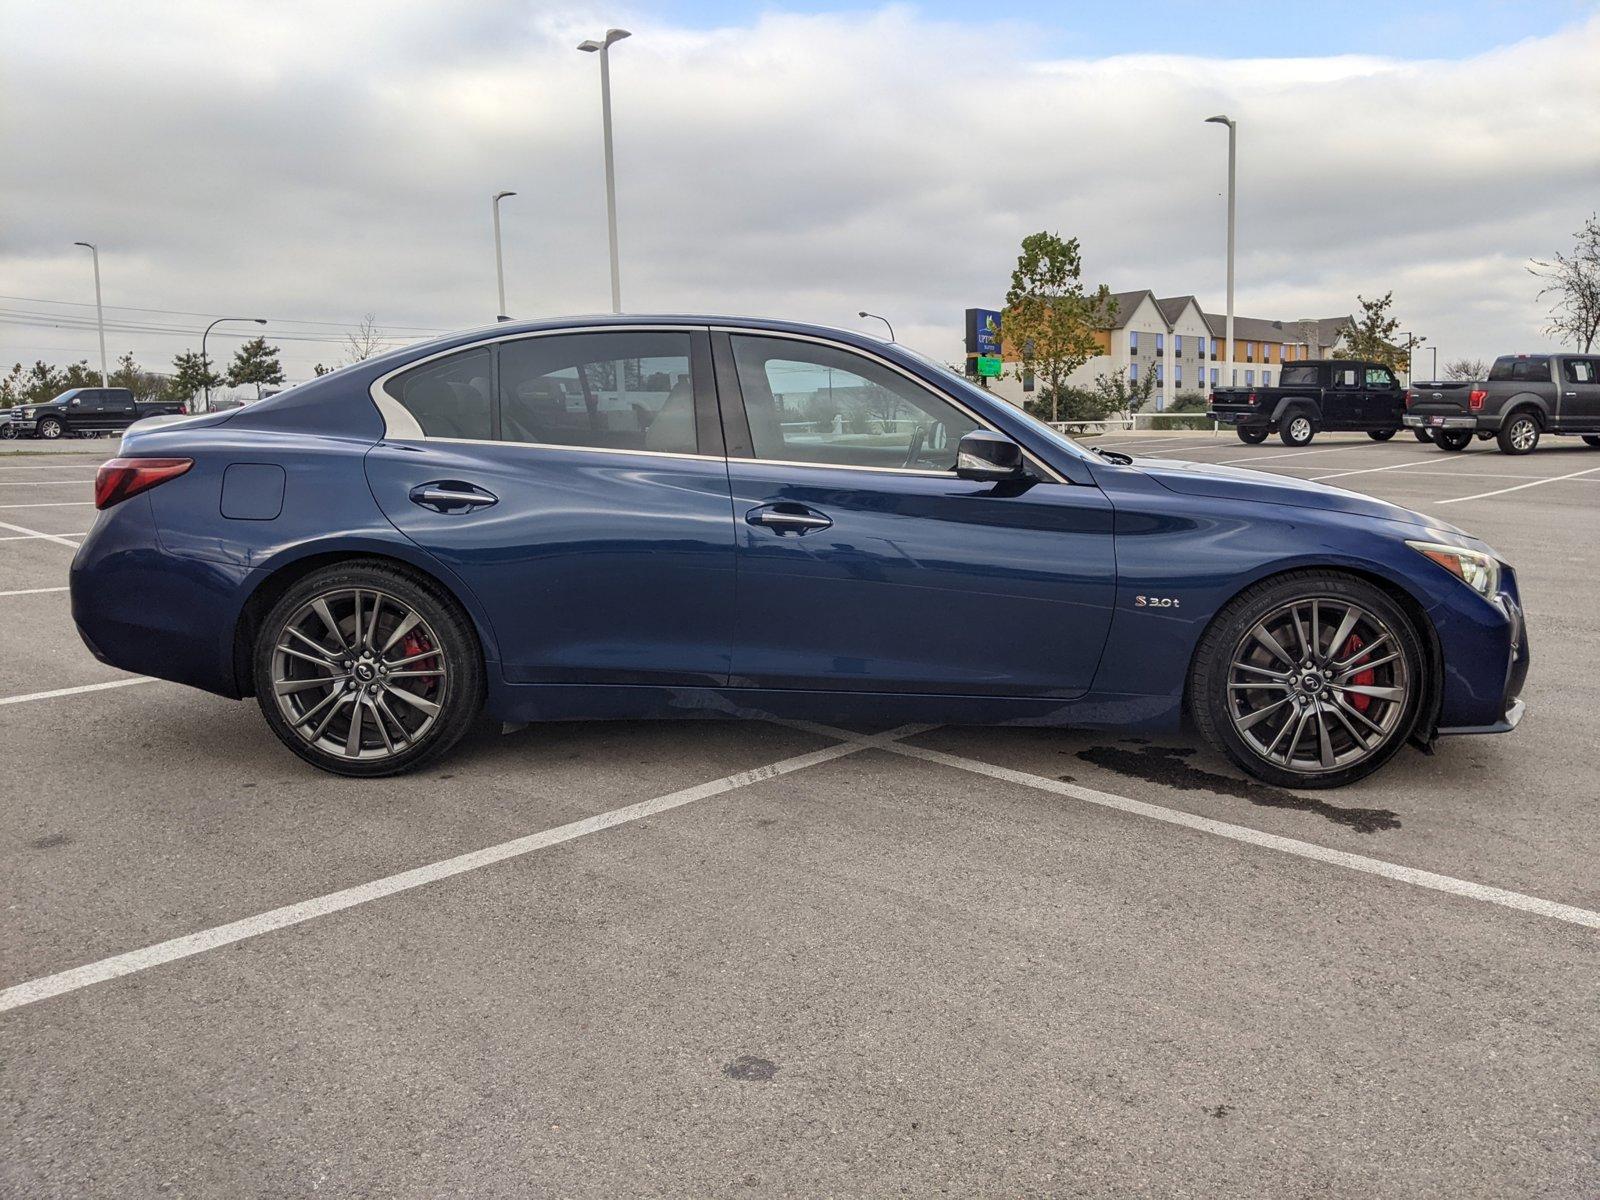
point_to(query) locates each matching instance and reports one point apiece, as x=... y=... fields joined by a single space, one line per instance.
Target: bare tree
x=1572 y=284
x=366 y=341
x=1466 y=368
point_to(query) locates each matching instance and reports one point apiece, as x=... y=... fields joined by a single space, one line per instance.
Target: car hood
x=1237 y=483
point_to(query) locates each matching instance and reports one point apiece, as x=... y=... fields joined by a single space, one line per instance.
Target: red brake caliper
x=1361 y=678
x=415 y=643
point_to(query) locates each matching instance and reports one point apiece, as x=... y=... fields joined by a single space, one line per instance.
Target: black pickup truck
x=86 y=411
x=1335 y=394
x=1525 y=397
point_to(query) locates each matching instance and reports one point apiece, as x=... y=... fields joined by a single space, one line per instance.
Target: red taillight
x=1251 y=398
x=1475 y=401
x=120 y=478
x=1411 y=398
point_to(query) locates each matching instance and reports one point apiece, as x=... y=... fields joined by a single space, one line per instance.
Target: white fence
x=1152 y=422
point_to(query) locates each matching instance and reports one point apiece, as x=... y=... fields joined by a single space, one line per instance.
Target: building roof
x=1322 y=331
x=1172 y=307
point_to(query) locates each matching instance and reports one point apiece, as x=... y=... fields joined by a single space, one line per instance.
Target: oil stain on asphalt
x=1165 y=765
x=748 y=1068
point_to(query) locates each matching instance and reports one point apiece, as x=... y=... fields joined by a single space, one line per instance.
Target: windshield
x=965 y=388
x=64 y=396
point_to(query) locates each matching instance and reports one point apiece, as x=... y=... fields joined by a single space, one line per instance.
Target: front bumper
x=22 y=425
x=1511 y=705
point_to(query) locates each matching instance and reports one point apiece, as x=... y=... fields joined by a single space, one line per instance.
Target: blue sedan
x=688 y=516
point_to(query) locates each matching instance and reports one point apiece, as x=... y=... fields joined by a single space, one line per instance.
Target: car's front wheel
x=368 y=670
x=1252 y=437
x=1298 y=429
x=50 y=428
x=1453 y=439
x=1311 y=680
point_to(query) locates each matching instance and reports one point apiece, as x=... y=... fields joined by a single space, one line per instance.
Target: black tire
x=1453 y=439
x=1519 y=433
x=50 y=428
x=1422 y=435
x=7 y=431
x=1380 y=435
x=442 y=627
x=1589 y=439
x=1298 y=428
x=1251 y=437
x=1212 y=701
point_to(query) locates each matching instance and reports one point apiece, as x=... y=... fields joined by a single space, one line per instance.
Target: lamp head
x=589 y=47
x=616 y=35
x=862 y=313
x=85 y=245
x=1219 y=119
x=503 y=195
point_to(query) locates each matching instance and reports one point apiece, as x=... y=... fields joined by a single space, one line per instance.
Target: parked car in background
x=7 y=429
x=87 y=411
x=1333 y=394
x=667 y=516
x=1525 y=397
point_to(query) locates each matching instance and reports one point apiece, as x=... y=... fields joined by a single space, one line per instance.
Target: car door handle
x=789 y=519
x=451 y=497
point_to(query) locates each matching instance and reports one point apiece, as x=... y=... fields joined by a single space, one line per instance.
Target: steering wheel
x=917 y=438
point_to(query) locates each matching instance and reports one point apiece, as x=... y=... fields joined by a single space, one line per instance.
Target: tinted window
x=449 y=397
x=623 y=391
x=1580 y=370
x=813 y=403
x=1521 y=369
x=1377 y=377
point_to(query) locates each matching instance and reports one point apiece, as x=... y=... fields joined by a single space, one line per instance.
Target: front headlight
x=1479 y=571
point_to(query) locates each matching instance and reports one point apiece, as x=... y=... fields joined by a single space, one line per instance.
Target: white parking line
x=60 y=466
x=1410 y=462
x=45 y=482
x=35 y=990
x=31 y=591
x=29 y=697
x=1518 y=488
x=1254 y=458
x=26 y=533
x=53 y=504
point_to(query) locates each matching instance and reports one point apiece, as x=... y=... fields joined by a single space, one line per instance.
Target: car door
x=1382 y=401
x=1342 y=399
x=866 y=565
x=82 y=411
x=575 y=481
x=1579 y=409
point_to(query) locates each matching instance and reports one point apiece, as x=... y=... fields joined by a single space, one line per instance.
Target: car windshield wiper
x=1114 y=456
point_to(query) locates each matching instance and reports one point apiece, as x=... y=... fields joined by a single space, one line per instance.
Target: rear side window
x=1345 y=377
x=1580 y=370
x=449 y=397
x=622 y=391
x=1520 y=370
x=1298 y=377
x=1377 y=377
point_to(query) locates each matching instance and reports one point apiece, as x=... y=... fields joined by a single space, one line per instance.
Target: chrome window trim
x=400 y=426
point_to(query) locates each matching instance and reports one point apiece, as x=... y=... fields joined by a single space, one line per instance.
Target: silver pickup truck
x=1525 y=397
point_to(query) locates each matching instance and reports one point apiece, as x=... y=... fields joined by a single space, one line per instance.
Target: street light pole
x=876 y=317
x=604 y=48
x=99 y=312
x=1233 y=141
x=205 y=363
x=499 y=264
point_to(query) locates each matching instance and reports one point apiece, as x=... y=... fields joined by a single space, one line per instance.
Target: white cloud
x=323 y=161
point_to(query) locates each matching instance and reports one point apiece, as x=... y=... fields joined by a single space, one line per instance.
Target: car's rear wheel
x=1591 y=440
x=50 y=428
x=1311 y=680
x=1422 y=435
x=1519 y=433
x=1298 y=429
x=1253 y=437
x=368 y=670
x=1380 y=435
x=1453 y=439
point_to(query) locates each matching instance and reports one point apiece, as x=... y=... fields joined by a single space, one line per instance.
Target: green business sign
x=990 y=366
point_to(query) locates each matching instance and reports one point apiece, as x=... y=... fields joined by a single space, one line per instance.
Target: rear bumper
x=1427 y=420
x=1248 y=418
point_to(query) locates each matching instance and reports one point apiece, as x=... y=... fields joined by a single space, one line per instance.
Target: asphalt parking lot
x=751 y=959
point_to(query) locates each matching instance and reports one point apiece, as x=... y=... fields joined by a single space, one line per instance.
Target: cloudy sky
x=313 y=163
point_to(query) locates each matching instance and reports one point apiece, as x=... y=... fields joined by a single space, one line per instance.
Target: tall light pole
x=205 y=367
x=99 y=312
x=1233 y=141
x=876 y=317
x=604 y=48
x=499 y=264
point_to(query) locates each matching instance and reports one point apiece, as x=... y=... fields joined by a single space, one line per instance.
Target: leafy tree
x=1466 y=368
x=1123 y=394
x=1049 y=317
x=255 y=362
x=1572 y=282
x=190 y=377
x=1372 y=335
x=319 y=370
x=145 y=385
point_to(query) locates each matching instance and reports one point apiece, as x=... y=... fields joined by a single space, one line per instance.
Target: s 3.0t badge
x=1155 y=602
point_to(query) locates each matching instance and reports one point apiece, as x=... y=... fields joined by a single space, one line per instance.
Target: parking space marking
x=35 y=533
x=46 y=986
x=1232 y=462
x=1518 y=488
x=1437 y=460
x=43 y=482
x=73 y=691
x=53 y=504
x=31 y=591
x=1239 y=833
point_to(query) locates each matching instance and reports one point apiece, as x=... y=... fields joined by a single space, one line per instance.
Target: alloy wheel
x=358 y=673
x=1318 y=685
x=1524 y=433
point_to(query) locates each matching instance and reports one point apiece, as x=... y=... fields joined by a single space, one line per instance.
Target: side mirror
x=986 y=456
